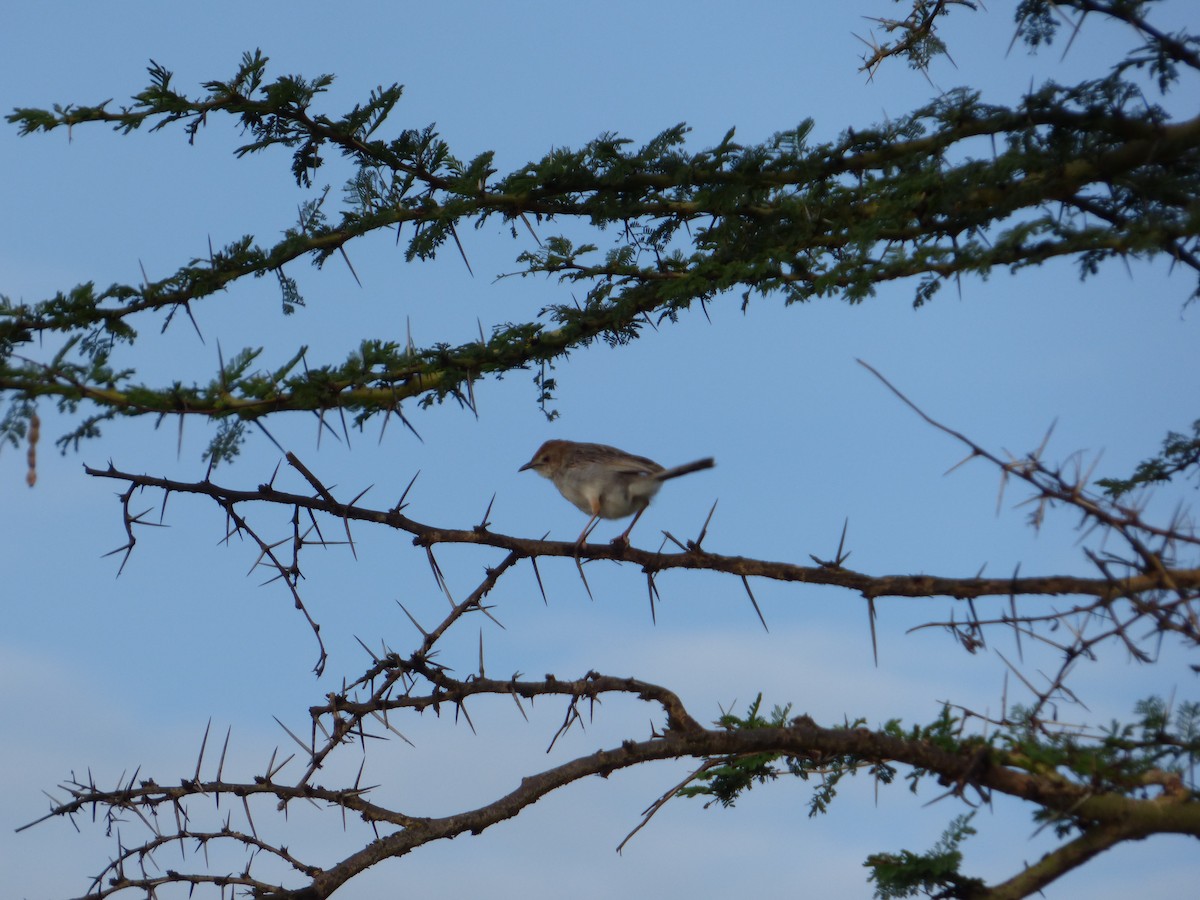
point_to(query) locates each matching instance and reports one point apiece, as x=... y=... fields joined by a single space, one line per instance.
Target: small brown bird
x=604 y=482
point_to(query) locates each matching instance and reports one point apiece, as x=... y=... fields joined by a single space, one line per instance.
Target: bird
x=604 y=482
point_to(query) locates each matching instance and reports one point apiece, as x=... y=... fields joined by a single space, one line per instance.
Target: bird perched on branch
x=604 y=482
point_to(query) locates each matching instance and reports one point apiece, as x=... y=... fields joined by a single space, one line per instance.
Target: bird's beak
x=528 y=465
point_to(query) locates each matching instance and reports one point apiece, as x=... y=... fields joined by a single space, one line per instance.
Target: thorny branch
x=1147 y=587
x=988 y=772
x=1169 y=607
x=1120 y=172
x=1088 y=173
x=1135 y=600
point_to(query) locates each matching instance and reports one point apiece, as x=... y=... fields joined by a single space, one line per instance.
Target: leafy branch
x=1090 y=172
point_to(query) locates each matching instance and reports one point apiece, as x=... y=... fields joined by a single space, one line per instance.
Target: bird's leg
x=624 y=537
x=583 y=535
x=590 y=526
x=587 y=530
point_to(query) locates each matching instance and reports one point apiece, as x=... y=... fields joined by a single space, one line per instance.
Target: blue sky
x=116 y=673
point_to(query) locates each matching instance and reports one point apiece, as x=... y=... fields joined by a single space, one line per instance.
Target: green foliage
x=1037 y=23
x=1157 y=751
x=1180 y=454
x=1170 y=738
x=729 y=778
x=1123 y=759
x=726 y=782
x=227 y=443
x=934 y=873
x=1090 y=172
x=14 y=425
x=944 y=732
x=1117 y=759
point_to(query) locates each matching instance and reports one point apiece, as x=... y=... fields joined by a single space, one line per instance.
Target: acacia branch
x=1106 y=808
x=868 y=586
x=906 y=200
x=1106 y=818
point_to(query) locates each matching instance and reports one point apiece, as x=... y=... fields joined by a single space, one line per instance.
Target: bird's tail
x=686 y=469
